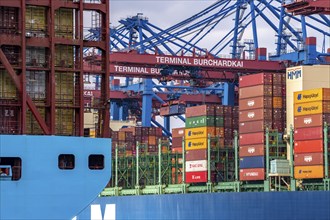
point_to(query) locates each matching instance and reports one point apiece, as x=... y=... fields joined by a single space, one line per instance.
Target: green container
x=219 y=121
x=200 y=121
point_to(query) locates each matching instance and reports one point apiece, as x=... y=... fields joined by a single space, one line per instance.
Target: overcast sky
x=160 y=12
x=166 y=13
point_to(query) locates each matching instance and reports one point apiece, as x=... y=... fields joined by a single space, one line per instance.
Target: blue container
x=252 y=162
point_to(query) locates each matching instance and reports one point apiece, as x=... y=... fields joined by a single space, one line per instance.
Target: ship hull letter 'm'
x=109 y=212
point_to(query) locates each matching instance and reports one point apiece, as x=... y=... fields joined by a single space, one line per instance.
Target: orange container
x=121 y=135
x=308 y=172
x=152 y=140
x=277 y=102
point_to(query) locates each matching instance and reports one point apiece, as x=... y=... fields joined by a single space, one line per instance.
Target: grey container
x=279 y=167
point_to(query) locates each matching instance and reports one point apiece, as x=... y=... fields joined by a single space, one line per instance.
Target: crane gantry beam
x=132 y=64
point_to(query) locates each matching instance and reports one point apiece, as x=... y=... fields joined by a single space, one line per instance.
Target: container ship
x=245 y=137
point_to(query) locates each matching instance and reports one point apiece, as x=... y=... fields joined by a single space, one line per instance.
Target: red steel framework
x=26 y=111
x=308 y=7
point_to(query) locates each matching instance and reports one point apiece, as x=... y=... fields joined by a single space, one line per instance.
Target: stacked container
x=311 y=110
x=226 y=121
x=260 y=107
x=177 y=135
x=200 y=122
x=126 y=139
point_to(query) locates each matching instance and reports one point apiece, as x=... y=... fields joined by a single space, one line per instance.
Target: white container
x=303 y=78
x=196 y=165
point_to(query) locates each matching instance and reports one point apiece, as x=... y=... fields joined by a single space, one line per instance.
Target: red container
x=255 y=79
x=312 y=146
x=138 y=131
x=152 y=131
x=252 y=150
x=145 y=131
x=115 y=82
x=200 y=110
x=308 y=159
x=177 y=142
x=227 y=110
x=196 y=155
x=178 y=132
x=228 y=122
x=10 y=119
x=304 y=134
x=279 y=125
x=261 y=51
x=255 y=115
x=278 y=90
x=278 y=114
x=196 y=177
x=255 y=91
x=278 y=78
x=254 y=126
x=219 y=131
x=251 y=139
x=252 y=174
x=176 y=150
x=158 y=132
x=219 y=110
x=255 y=102
x=311 y=120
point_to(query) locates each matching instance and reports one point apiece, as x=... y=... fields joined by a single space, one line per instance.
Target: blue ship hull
x=45 y=190
x=227 y=206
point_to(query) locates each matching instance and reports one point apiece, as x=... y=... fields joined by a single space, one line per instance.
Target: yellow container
x=64 y=121
x=64 y=23
x=312 y=95
x=32 y=126
x=64 y=88
x=64 y=56
x=7 y=86
x=311 y=108
x=201 y=132
x=35 y=18
x=308 y=172
x=196 y=144
x=277 y=102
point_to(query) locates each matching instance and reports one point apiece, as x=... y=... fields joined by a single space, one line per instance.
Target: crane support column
x=147 y=103
x=228 y=97
x=114 y=111
x=167 y=123
x=311 y=53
